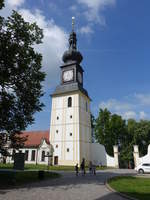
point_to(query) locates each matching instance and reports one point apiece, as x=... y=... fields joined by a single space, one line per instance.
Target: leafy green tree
x=102 y=133
x=113 y=130
x=142 y=136
x=20 y=77
x=109 y=130
x=92 y=127
x=117 y=129
x=126 y=148
x=1 y=4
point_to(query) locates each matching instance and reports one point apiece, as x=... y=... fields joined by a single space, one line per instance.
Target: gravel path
x=69 y=187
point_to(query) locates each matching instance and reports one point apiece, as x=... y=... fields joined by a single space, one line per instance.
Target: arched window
x=69 y=102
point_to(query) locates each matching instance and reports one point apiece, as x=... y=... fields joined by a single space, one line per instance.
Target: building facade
x=36 y=148
x=70 y=127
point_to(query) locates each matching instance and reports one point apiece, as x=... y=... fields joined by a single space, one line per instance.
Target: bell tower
x=70 y=127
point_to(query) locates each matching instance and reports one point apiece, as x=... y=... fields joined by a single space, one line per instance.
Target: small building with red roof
x=37 y=147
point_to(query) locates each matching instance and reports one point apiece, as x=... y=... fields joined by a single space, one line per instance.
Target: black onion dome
x=72 y=54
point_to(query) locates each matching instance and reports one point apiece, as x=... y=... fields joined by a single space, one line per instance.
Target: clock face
x=68 y=75
x=79 y=77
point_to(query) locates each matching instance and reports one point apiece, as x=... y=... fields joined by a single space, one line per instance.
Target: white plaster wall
x=57 y=150
x=85 y=128
x=146 y=158
x=110 y=161
x=38 y=153
x=100 y=157
x=78 y=125
x=65 y=125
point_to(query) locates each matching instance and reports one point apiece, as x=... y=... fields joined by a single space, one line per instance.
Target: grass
x=132 y=186
x=9 y=178
x=44 y=167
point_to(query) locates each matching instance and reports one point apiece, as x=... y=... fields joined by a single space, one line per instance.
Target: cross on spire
x=73 y=23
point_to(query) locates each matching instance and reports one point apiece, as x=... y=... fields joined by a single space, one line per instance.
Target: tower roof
x=72 y=54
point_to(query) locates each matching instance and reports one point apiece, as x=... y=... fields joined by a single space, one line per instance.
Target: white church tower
x=70 y=128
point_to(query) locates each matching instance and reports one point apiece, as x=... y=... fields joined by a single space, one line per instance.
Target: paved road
x=69 y=187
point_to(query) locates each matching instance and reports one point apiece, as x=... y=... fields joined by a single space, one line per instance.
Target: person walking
x=94 y=169
x=77 y=169
x=83 y=167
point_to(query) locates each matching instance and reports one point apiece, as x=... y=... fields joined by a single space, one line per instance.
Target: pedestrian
x=83 y=167
x=77 y=169
x=94 y=169
x=90 y=167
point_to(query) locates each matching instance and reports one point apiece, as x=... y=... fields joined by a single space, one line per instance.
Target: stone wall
x=99 y=156
x=139 y=160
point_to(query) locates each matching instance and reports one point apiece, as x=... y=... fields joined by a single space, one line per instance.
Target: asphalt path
x=68 y=187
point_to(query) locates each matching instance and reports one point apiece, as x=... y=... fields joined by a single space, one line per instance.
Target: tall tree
x=102 y=133
x=20 y=77
x=109 y=130
x=142 y=136
x=1 y=4
x=92 y=127
x=117 y=129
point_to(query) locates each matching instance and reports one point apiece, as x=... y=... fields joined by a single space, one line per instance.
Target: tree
x=113 y=130
x=1 y=4
x=126 y=151
x=110 y=130
x=142 y=136
x=20 y=77
x=102 y=133
x=92 y=127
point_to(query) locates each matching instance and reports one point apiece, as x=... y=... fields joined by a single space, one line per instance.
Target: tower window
x=70 y=134
x=57 y=118
x=86 y=105
x=69 y=102
x=56 y=131
x=56 y=145
x=70 y=116
x=67 y=149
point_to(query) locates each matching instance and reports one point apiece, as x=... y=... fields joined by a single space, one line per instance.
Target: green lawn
x=9 y=178
x=132 y=186
x=44 y=167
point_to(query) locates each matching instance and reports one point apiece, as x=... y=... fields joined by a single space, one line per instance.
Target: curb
x=118 y=193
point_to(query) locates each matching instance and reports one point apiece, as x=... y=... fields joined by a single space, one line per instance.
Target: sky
x=114 y=39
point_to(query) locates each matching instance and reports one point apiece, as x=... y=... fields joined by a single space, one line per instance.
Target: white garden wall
x=99 y=156
x=146 y=158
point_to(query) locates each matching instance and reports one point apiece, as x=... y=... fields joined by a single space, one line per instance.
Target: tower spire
x=73 y=23
x=72 y=54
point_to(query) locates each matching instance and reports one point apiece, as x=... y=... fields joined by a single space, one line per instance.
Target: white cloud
x=54 y=41
x=143 y=115
x=73 y=8
x=133 y=106
x=94 y=8
x=143 y=99
x=115 y=105
x=53 y=46
x=86 y=30
x=129 y=115
x=15 y=3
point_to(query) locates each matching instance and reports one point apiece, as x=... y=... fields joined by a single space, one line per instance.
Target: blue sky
x=114 y=39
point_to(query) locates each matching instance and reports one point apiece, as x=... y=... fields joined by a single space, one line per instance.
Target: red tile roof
x=35 y=137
